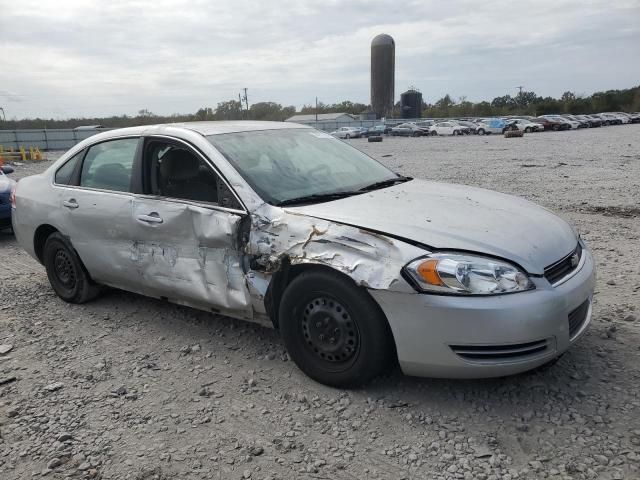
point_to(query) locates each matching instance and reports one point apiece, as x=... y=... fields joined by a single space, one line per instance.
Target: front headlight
x=463 y=274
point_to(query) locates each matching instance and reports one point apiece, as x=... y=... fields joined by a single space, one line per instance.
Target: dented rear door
x=188 y=253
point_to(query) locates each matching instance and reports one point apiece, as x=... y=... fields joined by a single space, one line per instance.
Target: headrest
x=178 y=164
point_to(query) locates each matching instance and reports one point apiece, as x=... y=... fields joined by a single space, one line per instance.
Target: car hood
x=457 y=217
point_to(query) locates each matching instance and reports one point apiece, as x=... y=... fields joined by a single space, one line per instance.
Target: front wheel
x=527 y=130
x=347 y=136
x=333 y=330
x=66 y=273
x=433 y=133
x=481 y=131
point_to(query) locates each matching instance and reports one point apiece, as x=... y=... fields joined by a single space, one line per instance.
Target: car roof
x=203 y=128
x=233 y=126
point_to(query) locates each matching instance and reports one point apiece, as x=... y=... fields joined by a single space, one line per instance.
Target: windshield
x=287 y=164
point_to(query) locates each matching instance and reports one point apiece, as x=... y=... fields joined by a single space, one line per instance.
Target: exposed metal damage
x=370 y=259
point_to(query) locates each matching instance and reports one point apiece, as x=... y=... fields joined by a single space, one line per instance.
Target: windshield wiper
x=317 y=198
x=385 y=183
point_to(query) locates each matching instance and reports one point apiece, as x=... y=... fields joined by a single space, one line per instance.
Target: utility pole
x=240 y=102
x=246 y=101
x=3 y=115
x=316 y=112
x=520 y=87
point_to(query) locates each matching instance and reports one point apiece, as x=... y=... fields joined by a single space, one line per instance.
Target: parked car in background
x=463 y=128
x=347 y=132
x=378 y=130
x=473 y=127
x=592 y=121
x=284 y=225
x=574 y=118
x=490 y=125
x=572 y=124
x=610 y=119
x=528 y=126
x=6 y=188
x=446 y=128
x=551 y=123
x=407 y=130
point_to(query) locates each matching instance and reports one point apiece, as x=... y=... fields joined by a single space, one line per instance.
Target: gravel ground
x=130 y=387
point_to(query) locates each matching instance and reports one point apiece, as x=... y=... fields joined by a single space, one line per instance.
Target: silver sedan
x=358 y=267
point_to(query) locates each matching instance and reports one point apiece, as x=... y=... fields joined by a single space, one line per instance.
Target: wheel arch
x=40 y=238
x=283 y=277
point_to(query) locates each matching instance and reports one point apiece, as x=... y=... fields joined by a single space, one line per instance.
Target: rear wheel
x=66 y=273
x=333 y=330
x=528 y=130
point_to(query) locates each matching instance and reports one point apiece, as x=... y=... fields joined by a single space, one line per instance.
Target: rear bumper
x=470 y=337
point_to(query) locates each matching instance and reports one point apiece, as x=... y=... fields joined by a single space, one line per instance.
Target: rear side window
x=65 y=173
x=108 y=165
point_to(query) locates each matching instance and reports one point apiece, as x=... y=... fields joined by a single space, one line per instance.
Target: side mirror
x=6 y=169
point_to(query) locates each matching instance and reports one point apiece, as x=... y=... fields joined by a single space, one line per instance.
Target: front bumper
x=523 y=330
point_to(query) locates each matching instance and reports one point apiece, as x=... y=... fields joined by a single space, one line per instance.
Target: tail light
x=12 y=196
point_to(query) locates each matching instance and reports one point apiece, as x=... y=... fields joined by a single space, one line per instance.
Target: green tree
x=230 y=110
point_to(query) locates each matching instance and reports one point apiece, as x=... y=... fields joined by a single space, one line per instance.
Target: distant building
x=368 y=115
x=321 y=117
x=411 y=104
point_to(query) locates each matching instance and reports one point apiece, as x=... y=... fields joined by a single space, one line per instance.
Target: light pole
x=4 y=117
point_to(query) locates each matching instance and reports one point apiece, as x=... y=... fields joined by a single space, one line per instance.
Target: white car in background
x=527 y=125
x=446 y=128
x=347 y=132
x=491 y=125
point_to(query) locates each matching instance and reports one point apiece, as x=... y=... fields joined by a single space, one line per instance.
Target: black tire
x=480 y=131
x=433 y=133
x=527 y=130
x=555 y=128
x=67 y=275
x=347 y=136
x=416 y=134
x=333 y=330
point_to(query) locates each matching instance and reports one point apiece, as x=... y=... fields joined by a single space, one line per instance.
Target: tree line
x=524 y=103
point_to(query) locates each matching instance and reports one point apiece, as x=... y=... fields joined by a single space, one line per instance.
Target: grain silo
x=383 y=65
x=411 y=104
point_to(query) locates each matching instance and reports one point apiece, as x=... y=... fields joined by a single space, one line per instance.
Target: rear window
x=108 y=165
x=65 y=172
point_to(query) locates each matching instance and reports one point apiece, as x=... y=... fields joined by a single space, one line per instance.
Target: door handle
x=71 y=203
x=153 y=217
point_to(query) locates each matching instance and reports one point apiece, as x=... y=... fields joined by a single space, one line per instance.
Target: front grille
x=500 y=352
x=564 y=267
x=577 y=318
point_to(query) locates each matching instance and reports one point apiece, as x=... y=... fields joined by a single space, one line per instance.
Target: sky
x=73 y=58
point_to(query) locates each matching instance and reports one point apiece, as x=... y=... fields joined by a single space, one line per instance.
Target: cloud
x=100 y=58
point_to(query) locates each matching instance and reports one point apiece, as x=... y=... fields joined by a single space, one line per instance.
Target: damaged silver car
x=356 y=266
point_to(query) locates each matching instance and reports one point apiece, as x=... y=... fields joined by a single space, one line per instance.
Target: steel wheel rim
x=329 y=333
x=63 y=269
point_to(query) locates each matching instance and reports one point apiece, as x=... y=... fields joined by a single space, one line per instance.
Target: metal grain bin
x=383 y=64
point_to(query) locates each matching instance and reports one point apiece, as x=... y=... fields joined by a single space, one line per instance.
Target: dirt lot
x=129 y=387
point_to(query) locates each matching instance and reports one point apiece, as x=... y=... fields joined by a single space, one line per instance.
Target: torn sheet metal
x=370 y=259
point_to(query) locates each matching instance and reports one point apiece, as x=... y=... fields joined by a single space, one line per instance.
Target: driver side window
x=175 y=171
